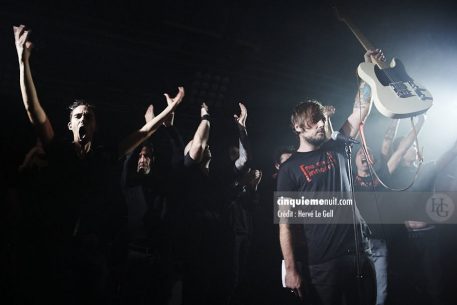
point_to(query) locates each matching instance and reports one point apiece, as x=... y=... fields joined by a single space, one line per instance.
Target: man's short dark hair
x=149 y=145
x=306 y=114
x=80 y=102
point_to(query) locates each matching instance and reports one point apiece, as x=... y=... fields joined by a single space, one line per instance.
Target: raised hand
x=149 y=114
x=241 y=119
x=329 y=111
x=256 y=177
x=204 y=110
x=23 y=44
x=175 y=101
x=374 y=56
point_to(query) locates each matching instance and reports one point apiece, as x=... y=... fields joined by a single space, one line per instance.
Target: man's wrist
x=206 y=117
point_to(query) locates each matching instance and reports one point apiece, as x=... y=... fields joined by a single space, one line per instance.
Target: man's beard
x=316 y=140
x=143 y=170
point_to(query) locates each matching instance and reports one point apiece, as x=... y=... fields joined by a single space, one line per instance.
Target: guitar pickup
x=401 y=89
x=419 y=91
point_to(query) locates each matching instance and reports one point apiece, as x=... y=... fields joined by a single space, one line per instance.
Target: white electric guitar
x=395 y=94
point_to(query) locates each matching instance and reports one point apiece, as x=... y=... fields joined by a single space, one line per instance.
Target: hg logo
x=440 y=207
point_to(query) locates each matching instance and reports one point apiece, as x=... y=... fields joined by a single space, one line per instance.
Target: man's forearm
x=286 y=239
x=362 y=103
x=137 y=137
x=328 y=128
x=35 y=112
x=389 y=137
x=404 y=145
x=360 y=111
x=200 y=140
x=244 y=153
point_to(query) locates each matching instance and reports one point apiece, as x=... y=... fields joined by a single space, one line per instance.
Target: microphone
x=339 y=137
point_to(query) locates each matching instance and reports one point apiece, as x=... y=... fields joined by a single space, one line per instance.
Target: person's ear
x=69 y=126
x=297 y=128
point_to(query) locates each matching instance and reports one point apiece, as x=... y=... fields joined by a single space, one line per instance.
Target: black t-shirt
x=322 y=170
x=87 y=198
x=411 y=204
x=204 y=192
x=145 y=197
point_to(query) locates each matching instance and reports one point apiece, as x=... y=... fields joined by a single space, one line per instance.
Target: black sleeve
x=336 y=146
x=188 y=161
x=285 y=179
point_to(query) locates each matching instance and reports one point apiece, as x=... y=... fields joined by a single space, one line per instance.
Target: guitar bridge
x=419 y=91
x=401 y=89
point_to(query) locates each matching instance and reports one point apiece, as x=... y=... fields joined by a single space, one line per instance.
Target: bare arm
x=386 y=147
x=293 y=278
x=243 y=158
x=329 y=111
x=201 y=136
x=37 y=115
x=362 y=105
x=152 y=124
x=404 y=145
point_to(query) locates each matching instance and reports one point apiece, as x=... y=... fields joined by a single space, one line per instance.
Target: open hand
x=175 y=101
x=149 y=114
x=241 y=119
x=23 y=44
x=204 y=110
x=329 y=111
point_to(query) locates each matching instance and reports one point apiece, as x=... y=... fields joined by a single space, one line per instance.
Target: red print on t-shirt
x=320 y=167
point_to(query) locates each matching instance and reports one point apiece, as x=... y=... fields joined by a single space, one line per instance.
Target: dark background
x=122 y=55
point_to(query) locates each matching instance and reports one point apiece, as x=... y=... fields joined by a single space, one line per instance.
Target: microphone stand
x=357 y=233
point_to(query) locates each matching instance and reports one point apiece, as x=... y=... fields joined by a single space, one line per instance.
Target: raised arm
x=404 y=145
x=152 y=124
x=391 y=132
x=35 y=112
x=244 y=154
x=176 y=142
x=200 y=140
x=329 y=111
x=362 y=105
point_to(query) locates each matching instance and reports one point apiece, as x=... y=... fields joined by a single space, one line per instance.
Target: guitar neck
x=366 y=44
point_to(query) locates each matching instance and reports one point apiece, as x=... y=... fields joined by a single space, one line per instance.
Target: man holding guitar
x=329 y=275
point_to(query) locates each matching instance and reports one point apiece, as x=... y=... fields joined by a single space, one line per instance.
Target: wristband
x=206 y=117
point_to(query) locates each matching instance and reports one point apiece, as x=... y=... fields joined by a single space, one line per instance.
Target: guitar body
x=395 y=94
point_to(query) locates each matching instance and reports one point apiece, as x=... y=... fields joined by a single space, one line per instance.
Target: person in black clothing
x=320 y=166
x=207 y=277
x=367 y=187
x=150 y=233
x=87 y=208
x=422 y=269
x=242 y=206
